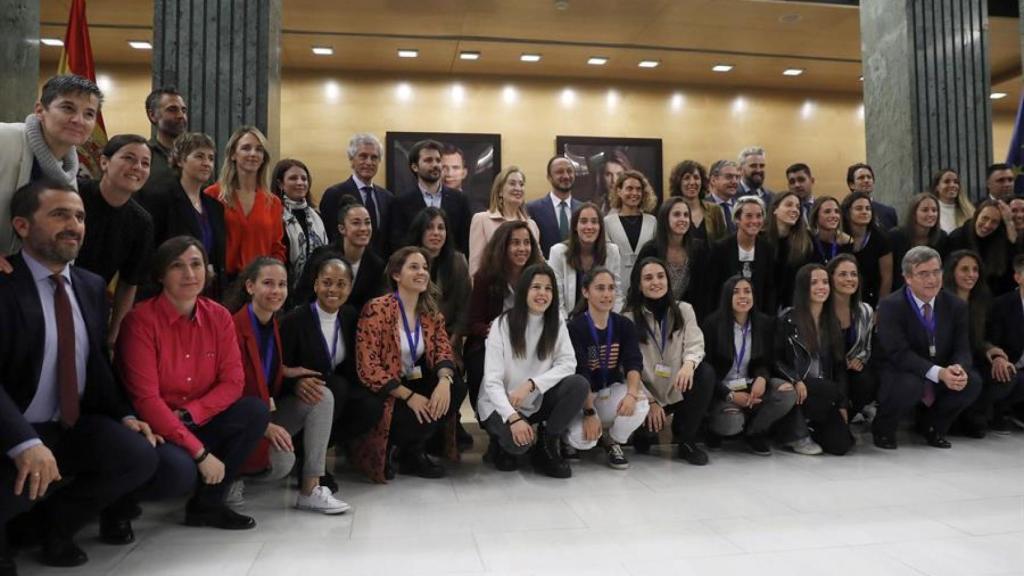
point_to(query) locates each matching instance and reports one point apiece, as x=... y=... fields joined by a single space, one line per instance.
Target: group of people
x=165 y=332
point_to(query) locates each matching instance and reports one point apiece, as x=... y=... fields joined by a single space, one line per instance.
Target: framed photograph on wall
x=600 y=159
x=469 y=163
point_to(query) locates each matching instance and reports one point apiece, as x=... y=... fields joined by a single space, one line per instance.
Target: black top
x=117 y=240
x=900 y=245
x=632 y=225
x=996 y=252
x=725 y=262
x=823 y=252
x=369 y=282
x=785 y=272
x=720 y=346
x=623 y=356
x=302 y=345
x=699 y=292
x=868 y=266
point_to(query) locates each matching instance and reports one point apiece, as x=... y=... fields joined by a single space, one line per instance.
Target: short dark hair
x=153 y=100
x=675 y=179
x=993 y=168
x=120 y=141
x=557 y=157
x=419 y=147
x=452 y=149
x=798 y=167
x=171 y=249
x=277 y=176
x=25 y=201
x=64 y=84
x=852 y=170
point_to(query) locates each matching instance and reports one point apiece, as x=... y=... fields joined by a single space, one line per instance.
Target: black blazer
x=900 y=245
x=1005 y=327
x=724 y=263
x=903 y=341
x=885 y=215
x=369 y=281
x=331 y=199
x=22 y=340
x=698 y=294
x=542 y=211
x=302 y=345
x=720 y=347
x=408 y=204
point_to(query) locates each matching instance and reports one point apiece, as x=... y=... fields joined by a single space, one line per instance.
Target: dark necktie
x=371 y=206
x=563 y=220
x=928 y=394
x=67 y=374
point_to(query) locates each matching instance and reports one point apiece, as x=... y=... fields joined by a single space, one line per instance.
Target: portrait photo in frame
x=600 y=159
x=469 y=163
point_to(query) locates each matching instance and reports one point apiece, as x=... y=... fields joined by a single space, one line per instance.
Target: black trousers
x=561 y=404
x=862 y=388
x=408 y=433
x=996 y=398
x=689 y=413
x=230 y=436
x=341 y=388
x=819 y=418
x=900 y=392
x=474 y=360
x=101 y=459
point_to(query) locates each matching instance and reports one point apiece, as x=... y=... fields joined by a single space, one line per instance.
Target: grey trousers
x=728 y=419
x=314 y=422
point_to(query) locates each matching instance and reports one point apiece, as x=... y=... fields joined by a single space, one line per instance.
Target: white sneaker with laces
x=805 y=446
x=323 y=501
x=236 y=494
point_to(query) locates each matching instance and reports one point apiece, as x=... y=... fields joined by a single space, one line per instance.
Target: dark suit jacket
x=720 y=347
x=885 y=215
x=22 y=337
x=1006 y=325
x=542 y=211
x=724 y=263
x=408 y=204
x=302 y=344
x=903 y=341
x=369 y=281
x=329 y=212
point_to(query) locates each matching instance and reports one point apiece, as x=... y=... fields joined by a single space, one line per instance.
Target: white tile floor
x=917 y=511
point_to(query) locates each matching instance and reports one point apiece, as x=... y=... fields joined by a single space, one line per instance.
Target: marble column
x=19 y=44
x=224 y=57
x=926 y=93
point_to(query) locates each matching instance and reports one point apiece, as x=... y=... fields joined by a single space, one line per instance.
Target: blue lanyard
x=414 y=343
x=928 y=324
x=821 y=249
x=332 y=349
x=864 y=242
x=738 y=358
x=606 y=360
x=267 y=355
x=664 y=333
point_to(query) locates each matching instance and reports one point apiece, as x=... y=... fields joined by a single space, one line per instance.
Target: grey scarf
x=64 y=171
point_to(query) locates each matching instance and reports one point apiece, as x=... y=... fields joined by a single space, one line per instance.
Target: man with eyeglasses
x=723 y=182
x=925 y=354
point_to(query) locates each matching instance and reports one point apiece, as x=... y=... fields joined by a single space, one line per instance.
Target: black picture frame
x=591 y=154
x=482 y=154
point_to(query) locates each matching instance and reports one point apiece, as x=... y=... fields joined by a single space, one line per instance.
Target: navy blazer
x=22 y=340
x=408 y=204
x=542 y=211
x=885 y=215
x=331 y=199
x=1006 y=325
x=302 y=345
x=903 y=341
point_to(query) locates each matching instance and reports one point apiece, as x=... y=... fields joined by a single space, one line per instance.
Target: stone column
x=926 y=93
x=224 y=57
x=19 y=44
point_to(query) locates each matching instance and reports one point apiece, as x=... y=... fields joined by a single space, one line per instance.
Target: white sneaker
x=323 y=501
x=805 y=446
x=236 y=494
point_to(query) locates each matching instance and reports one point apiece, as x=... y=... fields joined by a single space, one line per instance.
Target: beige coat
x=682 y=345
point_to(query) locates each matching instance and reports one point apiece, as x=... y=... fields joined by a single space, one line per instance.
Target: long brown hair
x=799 y=235
x=575 y=252
x=494 y=263
x=427 y=302
x=228 y=179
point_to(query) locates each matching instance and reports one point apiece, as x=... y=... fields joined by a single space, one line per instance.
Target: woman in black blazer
x=727 y=260
x=744 y=399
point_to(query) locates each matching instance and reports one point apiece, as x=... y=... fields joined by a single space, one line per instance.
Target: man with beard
x=752 y=165
x=61 y=414
x=167 y=111
x=999 y=179
x=723 y=182
x=364 y=154
x=553 y=212
x=425 y=163
x=801 y=183
x=860 y=177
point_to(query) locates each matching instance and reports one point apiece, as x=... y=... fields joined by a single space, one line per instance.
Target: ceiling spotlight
x=530 y=57
x=51 y=41
x=721 y=68
x=597 y=61
x=464 y=55
x=408 y=53
x=998 y=95
x=861 y=79
x=140 y=44
x=648 y=64
x=561 y=5
x=792 y=71
x=323 y=50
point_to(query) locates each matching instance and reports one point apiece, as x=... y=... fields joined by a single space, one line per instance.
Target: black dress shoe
x=691 y=453
x=421 y=465
x=505 y=461
x=7 y=566
x=389 y=463
x=62 y=552
x=642 y=441
x=217 y=517
x=885 y=442
x=937 y=440
x=116 y=531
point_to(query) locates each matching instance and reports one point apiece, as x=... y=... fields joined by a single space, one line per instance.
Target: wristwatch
x=589 y=412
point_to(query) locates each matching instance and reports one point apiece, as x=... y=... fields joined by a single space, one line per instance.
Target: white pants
x=619 y=428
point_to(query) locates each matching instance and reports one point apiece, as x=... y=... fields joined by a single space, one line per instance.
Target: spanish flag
x=76 y=58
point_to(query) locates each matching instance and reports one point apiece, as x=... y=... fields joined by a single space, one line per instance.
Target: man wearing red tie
x=61 y=413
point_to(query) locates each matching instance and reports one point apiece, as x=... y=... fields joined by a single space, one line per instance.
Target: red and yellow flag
x=76 y=58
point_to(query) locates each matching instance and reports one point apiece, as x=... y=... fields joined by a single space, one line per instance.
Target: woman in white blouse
x=530 y=378
x=629 y=224
x=585 y=248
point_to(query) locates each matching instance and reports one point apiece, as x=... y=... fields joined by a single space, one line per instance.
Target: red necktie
x=67 y=373
x=928 y=395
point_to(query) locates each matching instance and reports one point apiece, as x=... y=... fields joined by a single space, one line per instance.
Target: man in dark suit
x=61 y=412
x=425 y=163
x=1004 y=386
x=752 y=163
x=925 y=354
x=553 y=212
x=860 y=177
x=364 y=154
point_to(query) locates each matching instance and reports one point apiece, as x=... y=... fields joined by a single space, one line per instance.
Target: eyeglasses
x=926 y=274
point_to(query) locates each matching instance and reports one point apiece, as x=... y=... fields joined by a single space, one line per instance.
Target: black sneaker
x=712 y=441
x=569 y=453
x=642 y=441
x=504 y=461
x=691 y=453
x=616 y=459
x=758 y=445
x=1001 y=425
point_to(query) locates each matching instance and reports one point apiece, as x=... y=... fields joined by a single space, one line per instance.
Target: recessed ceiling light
x=408 y=53
x=464 y=55
x=51 y=41
x=998 y=95
x=530 y=57
x=597 y=61
x=648 y=64
x=323 y=50
x=721 y=68
x=792 y=71
x=140 y=44
x=861 y=79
